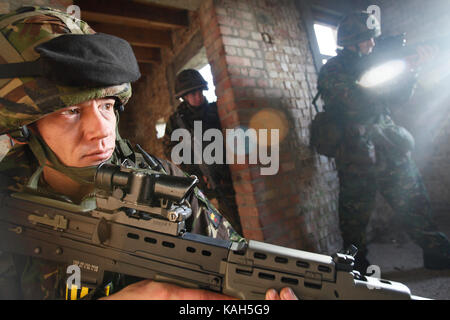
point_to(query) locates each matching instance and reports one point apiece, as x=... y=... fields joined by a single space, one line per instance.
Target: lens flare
x=270 y=119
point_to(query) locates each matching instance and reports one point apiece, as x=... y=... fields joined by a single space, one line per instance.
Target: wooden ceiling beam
x=138 y=37
x=132 y=14
x=147 y=55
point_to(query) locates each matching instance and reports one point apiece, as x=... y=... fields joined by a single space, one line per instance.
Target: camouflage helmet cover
x=354 y=29
x=189 y=80
x=25 y=100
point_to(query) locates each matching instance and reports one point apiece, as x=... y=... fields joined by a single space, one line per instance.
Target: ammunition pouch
x=326 y=134
x=393 y=138
x=357 y=147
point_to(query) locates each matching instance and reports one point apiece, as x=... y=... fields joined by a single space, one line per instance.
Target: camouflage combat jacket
x=184 y=117
x=31 y=278
x=363 y=114
x=215 y=179
x=342 y=95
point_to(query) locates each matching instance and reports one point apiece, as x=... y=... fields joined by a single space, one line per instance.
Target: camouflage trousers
x=402 y=187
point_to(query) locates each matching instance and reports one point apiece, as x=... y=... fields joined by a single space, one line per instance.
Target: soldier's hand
x=284 y=294
x=153 y=290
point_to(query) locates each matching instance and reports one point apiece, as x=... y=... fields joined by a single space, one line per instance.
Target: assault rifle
x=136 y=226
x=389 y=60
x=397 y=46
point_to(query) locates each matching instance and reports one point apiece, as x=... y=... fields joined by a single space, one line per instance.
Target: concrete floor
x=400 y=260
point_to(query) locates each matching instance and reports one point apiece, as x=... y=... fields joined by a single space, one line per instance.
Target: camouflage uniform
x=223 y=190
x=25 y=100
x=374 y=155
x=31 y=278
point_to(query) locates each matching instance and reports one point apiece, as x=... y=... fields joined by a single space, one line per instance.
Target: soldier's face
x=195 y=98
x=82 y=135
x=366 y=46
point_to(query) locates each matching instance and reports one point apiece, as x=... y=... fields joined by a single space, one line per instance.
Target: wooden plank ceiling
x=147 y=27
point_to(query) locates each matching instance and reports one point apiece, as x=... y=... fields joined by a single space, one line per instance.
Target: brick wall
x=297 y=206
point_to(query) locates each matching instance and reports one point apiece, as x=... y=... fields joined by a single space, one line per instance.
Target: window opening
x=210 y=94
x=160 y=128
x=327 y=40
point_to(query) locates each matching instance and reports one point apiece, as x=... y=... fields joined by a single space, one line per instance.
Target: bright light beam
x=382 y=74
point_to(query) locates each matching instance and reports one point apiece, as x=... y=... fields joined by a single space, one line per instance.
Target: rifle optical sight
x=143 y=186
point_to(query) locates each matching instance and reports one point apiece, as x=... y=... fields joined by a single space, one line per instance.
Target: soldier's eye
x=108 y=106
x=71 y=111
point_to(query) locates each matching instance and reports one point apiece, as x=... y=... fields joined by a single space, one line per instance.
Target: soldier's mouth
x=99 y=155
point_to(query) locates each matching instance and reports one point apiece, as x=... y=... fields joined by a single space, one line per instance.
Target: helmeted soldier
x=373 y=153
x=215 y=179
x=61 y=89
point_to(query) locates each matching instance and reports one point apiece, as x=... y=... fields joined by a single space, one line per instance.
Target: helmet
x=25 y=99
x=189 y=80
x=354 y=29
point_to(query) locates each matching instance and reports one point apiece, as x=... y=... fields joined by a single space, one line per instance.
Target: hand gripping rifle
x=137 y=227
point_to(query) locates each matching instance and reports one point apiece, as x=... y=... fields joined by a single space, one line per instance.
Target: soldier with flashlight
x=373 y=153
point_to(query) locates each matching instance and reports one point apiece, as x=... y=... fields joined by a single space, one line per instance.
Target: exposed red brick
x=244 y=187
x=238 y=61
x=253 y=234
x=250 y=222
x=226 y=96
x=243 y=82
x=248 y=211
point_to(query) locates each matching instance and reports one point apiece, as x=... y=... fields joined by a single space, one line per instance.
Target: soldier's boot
x=436 y=254
x=435 y=261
